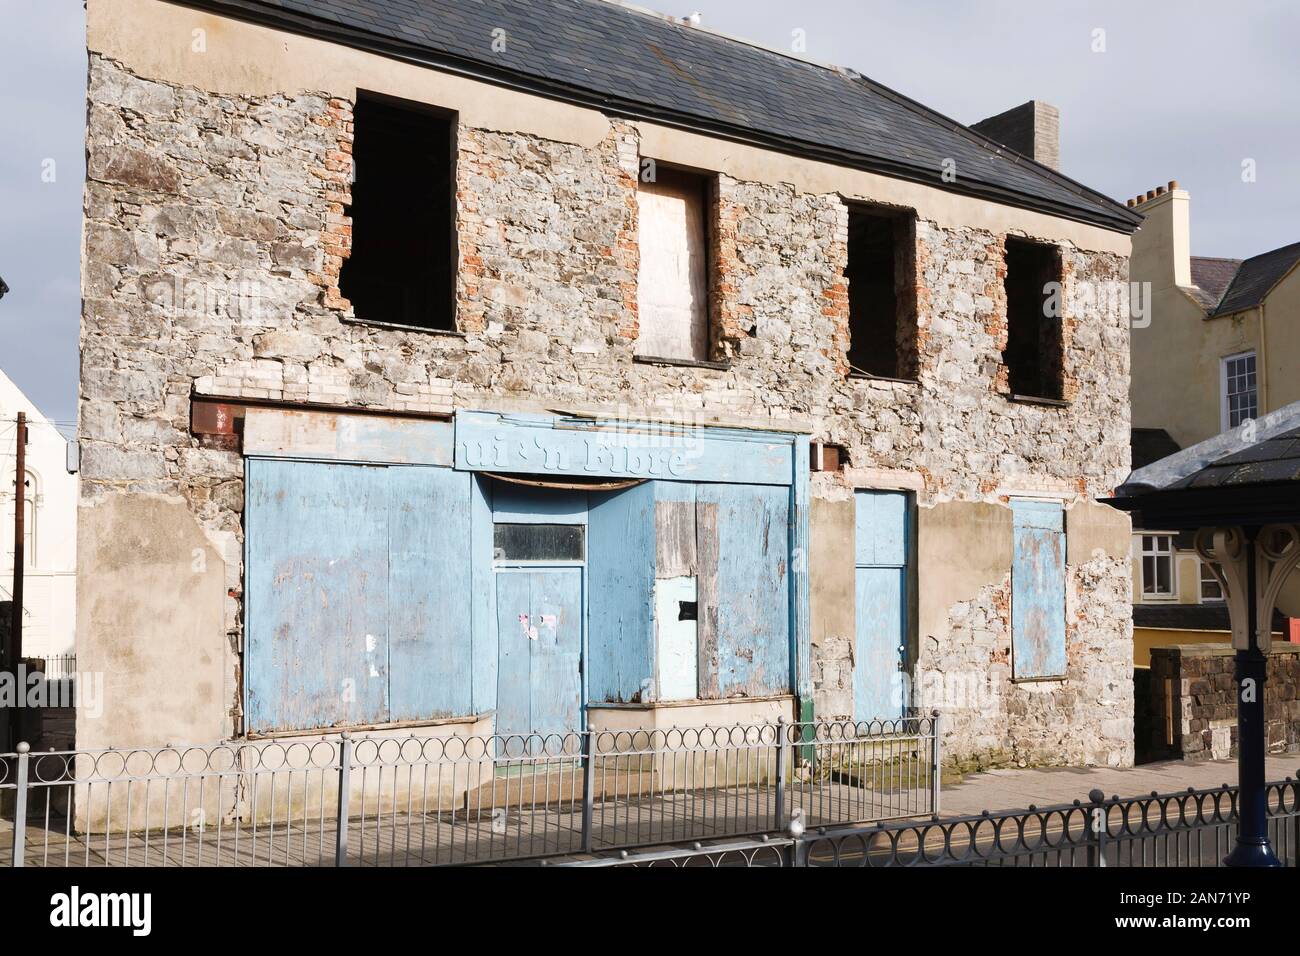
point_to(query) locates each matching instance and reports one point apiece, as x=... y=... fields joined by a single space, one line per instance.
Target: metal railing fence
x=1195 y=828
x=388 y=800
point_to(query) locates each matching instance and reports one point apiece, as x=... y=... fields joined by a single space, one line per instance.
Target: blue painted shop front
x=522 y=565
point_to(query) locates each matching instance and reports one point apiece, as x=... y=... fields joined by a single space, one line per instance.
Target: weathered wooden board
x=1038 y=590
x=752 y=588
x=316 y=644
x=287 y=433
x=429 y=593
x=676 y=643
x=621 y=569
x=544 y=445
x=360 y=594
x=539 y=627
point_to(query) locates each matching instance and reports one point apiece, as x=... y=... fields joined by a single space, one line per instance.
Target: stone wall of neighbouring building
x=215 y=227
x=1193 y=704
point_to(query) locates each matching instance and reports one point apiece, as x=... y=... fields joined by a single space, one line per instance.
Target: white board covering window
x=673 y=280
x=1238 y=390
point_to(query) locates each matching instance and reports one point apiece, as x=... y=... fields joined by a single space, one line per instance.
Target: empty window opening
x=673 y=279
x=1034 y=356
x=401 y=267
x=881 y=273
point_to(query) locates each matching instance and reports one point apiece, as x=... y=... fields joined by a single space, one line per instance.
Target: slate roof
x=1256 y=277
x=637 y=64
x=1275 y=459
x=1212 y=278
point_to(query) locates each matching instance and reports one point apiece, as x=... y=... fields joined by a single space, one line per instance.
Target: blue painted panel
x=1038 y=591
x=483 y=597
x=556 y=602
x=882 y=547
x=621 y=569
x=519 y=504
x=882 y=532
x=539 y=622
x=514 y=655
x=530 y=444
x=1043 y=515
x=429 y=593
x=316 y=650
x=753 y=588
x=800 y=597
x=877 y=680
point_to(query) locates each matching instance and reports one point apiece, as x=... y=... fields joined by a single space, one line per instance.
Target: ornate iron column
x=1251 y=565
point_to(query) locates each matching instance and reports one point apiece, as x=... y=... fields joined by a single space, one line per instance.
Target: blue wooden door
x=882 y=547
x=1038 y=590
x=539 y=650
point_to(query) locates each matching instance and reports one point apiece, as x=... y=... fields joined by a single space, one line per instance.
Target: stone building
x=530 y=366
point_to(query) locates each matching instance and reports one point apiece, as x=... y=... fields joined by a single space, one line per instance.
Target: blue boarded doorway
x=882 y=580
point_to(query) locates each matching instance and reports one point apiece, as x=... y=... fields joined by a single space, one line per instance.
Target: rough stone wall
x=215 y=228
x=1193 y=703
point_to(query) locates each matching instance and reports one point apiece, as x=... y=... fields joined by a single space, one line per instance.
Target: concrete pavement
x=1016 y=789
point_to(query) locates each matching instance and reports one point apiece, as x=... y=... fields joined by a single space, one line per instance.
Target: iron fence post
x=781 y=760
x=935 y=757
x=1097 y=828
x=345 y=794
x=588 y=788
x=20 y=805
x=799 y=848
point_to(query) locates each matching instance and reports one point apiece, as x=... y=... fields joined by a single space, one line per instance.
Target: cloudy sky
x=1184 y=89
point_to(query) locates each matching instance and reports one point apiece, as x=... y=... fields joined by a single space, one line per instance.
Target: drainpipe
x=1262 y=370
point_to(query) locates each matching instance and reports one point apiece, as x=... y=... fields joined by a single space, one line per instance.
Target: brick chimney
x=1162 y=248
x=1032 y=129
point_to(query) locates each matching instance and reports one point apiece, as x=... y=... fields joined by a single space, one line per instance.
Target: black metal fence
x=1196 y=828
x=418 y=801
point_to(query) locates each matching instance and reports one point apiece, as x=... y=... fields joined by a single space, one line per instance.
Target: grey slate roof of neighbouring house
x=1256 y=277
x=1271 y=460
x=1211 y=277
x=633 y=63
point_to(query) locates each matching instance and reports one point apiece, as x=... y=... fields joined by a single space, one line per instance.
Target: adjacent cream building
x=50 y=592
x=1221 y=350
x=1223 y=343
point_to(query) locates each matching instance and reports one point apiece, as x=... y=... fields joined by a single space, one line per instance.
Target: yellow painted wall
x=1145 y=638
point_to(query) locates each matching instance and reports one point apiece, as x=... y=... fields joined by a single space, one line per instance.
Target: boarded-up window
x=880 y=273
x=673 y=282
x=1034 y=355
x=1038 y=590
x=401 y=266
x=358 y=594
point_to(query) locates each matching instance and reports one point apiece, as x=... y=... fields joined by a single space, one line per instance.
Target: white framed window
x=1158 y=566
x=1211 y=590
x=1239 y=397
